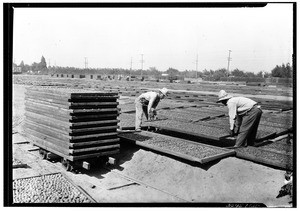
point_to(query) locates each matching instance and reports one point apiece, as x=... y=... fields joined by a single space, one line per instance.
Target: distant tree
x=26 y=68
x=172 y=72
x=283 y=71
x=22 y=65
x=260 y=74
x=189 y=74
x=249 y=74
x=205 y=72
x=218 y=74
x=267 y=75
x=154 y=72
x=41 y=66
x=276 y=72
x=238 y=73
x=208 y=74
x=43 y=63
x=288 y=71
x=35 y=67
x=153 y=69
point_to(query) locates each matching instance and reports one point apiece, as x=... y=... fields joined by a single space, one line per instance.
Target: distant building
x=17 y=69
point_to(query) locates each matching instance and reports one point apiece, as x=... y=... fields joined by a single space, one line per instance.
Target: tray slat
x=72 y=125
x=63 y=135
x=71 y=105
x=93 y=149
x=53 y=108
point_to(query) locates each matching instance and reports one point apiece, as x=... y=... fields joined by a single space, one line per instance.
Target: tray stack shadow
x=73 y=123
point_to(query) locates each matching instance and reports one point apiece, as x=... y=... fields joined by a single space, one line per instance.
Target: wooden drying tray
x=72 y=184
x=226 y=152
x=200 y=138
x=250 y=153
x=56 y=123
x=70 y=105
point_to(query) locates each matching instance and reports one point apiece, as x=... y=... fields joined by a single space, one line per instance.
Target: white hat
x=223 y=96
x=164 y=91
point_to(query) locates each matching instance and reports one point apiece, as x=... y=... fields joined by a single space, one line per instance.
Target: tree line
x=283 y=71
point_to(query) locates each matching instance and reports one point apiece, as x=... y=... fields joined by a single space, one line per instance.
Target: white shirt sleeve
x=232 y=107
x=151 y=101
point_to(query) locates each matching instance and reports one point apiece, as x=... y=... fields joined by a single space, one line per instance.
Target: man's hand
x=152 y=114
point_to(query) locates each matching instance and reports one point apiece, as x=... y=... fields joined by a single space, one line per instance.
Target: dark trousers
x=248 y=129
x=140 y=111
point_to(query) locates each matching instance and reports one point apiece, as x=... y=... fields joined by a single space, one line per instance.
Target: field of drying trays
x=190 y=125
x=191 y=112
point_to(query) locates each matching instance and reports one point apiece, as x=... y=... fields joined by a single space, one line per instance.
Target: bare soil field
x=142 y=176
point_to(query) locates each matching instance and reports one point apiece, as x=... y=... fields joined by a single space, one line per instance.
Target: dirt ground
x=144 y=176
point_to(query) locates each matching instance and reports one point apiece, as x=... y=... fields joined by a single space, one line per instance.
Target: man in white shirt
x=244 y=114
x=146 y=104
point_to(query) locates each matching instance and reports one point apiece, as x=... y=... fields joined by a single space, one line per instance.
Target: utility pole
x=130 y=66
x=197 y=66
x=142 y=61
x=229 y=59
x=49 y=63
x=85 y=63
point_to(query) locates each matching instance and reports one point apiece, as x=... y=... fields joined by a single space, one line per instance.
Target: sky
x=192 y=38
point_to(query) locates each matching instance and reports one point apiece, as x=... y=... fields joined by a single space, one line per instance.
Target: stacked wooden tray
x=72 y=123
